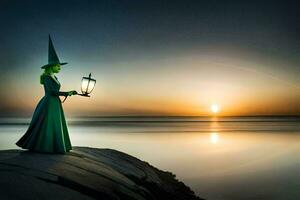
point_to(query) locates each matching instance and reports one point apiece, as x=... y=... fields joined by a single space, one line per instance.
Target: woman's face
x=56 y=68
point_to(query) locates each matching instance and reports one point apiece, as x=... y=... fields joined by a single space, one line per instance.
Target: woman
x=48 y=130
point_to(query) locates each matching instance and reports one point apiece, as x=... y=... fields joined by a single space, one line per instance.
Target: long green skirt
x=48 y=130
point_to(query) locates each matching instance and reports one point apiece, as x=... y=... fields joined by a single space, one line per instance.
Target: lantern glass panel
x=84 y=85
x=91 y=86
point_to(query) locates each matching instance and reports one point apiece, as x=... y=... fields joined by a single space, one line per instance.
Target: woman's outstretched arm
x=50 y=89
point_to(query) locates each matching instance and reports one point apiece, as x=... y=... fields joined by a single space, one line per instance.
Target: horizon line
x=165 y=116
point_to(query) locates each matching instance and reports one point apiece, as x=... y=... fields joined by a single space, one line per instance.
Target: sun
x=215 y=108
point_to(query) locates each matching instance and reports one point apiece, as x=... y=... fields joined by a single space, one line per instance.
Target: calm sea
x=219 y=158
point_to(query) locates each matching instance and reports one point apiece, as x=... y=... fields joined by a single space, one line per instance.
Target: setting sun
x=214 y=108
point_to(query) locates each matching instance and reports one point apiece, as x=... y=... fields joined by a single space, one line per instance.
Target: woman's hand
x=73 y=92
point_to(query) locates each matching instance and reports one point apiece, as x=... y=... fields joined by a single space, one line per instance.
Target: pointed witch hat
x=52 y=56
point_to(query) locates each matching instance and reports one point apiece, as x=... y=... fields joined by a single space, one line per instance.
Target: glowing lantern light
x=87 y=85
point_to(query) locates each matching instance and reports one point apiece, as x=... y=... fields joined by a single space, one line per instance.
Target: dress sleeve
x=50 y=89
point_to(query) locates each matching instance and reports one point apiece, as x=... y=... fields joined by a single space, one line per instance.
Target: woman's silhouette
x=48 y=130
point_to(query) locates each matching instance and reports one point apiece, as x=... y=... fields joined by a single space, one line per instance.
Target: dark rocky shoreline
x=86 y=173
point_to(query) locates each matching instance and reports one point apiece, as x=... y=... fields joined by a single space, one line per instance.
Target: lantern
x=87 y=85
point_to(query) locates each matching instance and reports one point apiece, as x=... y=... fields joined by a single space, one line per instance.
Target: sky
x=154 y=57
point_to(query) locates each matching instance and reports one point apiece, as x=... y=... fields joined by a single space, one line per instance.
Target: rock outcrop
x=85 y=173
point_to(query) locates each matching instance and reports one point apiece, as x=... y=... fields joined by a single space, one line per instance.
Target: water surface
x=219 y=158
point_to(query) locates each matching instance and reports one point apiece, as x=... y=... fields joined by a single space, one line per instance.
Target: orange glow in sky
x=186 y=86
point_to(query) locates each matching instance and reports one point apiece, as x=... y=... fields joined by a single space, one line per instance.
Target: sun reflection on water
x=214 y=138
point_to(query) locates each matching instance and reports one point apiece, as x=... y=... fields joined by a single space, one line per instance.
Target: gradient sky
x=154 y=57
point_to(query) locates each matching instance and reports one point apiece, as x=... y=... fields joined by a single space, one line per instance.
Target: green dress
x=48 y=130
